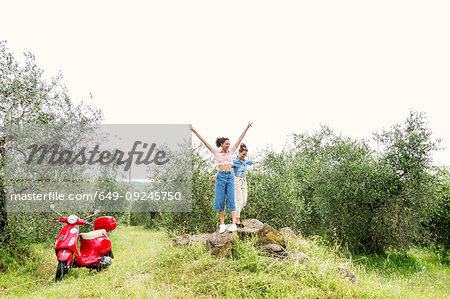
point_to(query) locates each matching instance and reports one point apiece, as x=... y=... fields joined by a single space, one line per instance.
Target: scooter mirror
x=52 y=206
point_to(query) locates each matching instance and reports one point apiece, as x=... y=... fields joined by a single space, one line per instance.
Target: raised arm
x=243 y=134
x=201 y=139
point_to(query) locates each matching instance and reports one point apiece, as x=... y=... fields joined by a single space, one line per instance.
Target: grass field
x=147 y=266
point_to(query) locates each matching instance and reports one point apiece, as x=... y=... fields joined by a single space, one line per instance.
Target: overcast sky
x=288 y=66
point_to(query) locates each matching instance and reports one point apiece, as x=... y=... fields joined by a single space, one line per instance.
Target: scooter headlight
x=72 y=219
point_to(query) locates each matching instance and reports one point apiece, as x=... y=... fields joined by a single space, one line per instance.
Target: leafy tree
x=27 y=97
x=439 y=217
x=406 y=152
x=202 y=218
x=340 y=182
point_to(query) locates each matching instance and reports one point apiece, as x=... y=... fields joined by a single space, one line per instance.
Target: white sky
x=288 y=66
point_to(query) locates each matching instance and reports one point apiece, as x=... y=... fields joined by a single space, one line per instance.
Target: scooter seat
x=93 y=234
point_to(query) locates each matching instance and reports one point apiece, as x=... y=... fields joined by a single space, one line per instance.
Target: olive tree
x=26 y=97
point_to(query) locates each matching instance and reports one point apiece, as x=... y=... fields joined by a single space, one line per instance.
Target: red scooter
x=94 y=251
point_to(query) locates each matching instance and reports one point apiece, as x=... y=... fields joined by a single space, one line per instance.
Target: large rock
x=200 y=238
x=266 y=234
x=183 y=240
x=275 y=248
x=252 y=227
x=269 y=235
x=186 y=240
x=288 y=233
x=221 y=245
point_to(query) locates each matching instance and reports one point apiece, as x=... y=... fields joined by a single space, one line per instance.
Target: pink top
x=223 y=158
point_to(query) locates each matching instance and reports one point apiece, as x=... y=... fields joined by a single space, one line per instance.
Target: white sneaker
x=222 y=228
x=232 y=228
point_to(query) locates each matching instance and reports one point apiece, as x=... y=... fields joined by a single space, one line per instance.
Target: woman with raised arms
x=240 y=183
x=225 y=178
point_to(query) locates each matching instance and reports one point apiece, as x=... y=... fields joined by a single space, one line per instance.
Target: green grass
x=134 y=249
x=146 y=265
x=253 y=273
x=418 y=275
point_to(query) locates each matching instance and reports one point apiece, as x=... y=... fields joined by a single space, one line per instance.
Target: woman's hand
x=243 y=134
x=212 y=177
x=201 y=138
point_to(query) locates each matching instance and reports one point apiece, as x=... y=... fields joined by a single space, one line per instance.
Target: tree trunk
x=4 y=236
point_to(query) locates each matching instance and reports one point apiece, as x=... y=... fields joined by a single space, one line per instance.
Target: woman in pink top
x=225 y=178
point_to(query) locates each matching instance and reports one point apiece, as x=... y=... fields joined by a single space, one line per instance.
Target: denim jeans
x=224 y=191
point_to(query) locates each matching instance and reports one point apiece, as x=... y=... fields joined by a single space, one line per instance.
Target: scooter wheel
x=60 y=270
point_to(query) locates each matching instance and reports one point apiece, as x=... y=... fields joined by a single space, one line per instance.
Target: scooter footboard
x=65 y=255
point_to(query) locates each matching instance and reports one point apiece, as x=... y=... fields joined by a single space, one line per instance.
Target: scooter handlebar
x=82 y=221
x=61 y=219
x=65 y=220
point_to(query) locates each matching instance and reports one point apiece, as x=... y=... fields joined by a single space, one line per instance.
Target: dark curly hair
x=243 y=148
x=220 y=141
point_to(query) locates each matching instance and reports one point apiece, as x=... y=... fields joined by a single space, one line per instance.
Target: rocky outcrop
x=269 y=239
x=222 y=244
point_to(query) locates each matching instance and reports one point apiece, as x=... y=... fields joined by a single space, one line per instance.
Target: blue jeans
x=224 y=189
